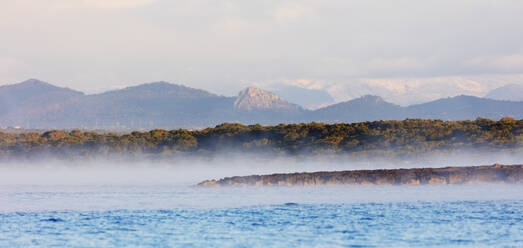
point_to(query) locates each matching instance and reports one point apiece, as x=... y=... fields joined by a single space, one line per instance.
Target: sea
x=182 y=215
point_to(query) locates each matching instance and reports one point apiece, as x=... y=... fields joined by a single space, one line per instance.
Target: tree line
x=405 y=137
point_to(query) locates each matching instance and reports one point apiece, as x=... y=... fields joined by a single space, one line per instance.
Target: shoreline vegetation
x=486 y=174
x=377 y=138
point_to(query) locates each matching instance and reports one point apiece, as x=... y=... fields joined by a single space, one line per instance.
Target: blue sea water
x=183 y=216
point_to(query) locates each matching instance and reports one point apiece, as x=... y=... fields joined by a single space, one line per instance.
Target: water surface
x=181 y=215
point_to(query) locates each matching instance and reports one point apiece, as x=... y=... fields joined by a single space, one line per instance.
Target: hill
x=509 y=92
x=158 y=104
x=33 y=100
x=466 y=108
x=36 y=104
x=366 y=108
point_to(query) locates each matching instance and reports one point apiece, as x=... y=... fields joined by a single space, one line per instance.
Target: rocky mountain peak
x=371 y=99
x=252 y=98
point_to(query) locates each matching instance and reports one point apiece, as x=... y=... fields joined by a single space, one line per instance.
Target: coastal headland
x=486 y=174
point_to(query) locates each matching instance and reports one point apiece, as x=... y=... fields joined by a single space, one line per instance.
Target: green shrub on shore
x=378 y=137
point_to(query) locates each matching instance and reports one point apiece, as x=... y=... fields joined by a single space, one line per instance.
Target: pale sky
x=223 y=46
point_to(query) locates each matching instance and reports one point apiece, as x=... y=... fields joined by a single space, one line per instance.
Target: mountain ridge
x=163 y=104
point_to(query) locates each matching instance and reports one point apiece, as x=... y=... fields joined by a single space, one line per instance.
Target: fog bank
x=191 y=170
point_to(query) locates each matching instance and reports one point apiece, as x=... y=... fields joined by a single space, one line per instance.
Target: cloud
x=233 y=25
x=8 y=64
x=311 y=44
x=61 y=6
x=506 y=63
x=118 y=4
x=291 y=11
x=407 y=91
x=403 y=91
x=381 y=65
x=310 y=84
x=377 y=66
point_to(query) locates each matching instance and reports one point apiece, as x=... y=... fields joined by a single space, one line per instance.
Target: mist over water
x=158 y=184
x=187 y=171
x=151 y=203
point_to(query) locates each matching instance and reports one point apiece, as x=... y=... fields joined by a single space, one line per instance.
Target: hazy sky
x=223 y=46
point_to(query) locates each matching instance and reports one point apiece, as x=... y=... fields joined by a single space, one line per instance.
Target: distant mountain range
x=510 y=92
x=307 y=98
x=37 y=104
x=312 y=94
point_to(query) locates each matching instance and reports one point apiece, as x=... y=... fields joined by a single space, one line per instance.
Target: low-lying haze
x=191 y=170
x=65 y=185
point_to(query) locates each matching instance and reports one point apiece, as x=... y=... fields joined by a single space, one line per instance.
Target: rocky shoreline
x=450 y=175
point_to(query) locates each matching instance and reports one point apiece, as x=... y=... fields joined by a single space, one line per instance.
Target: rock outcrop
x=252 y=98
x=450 y=175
